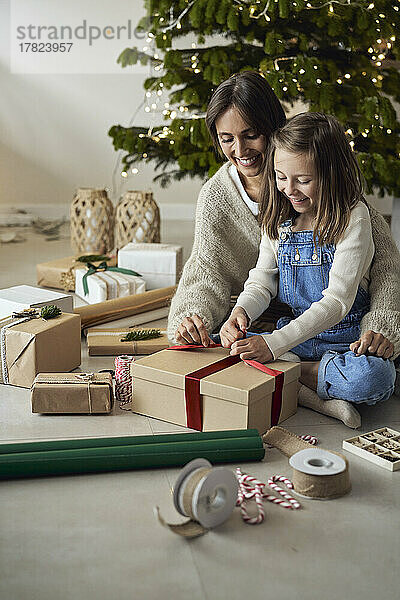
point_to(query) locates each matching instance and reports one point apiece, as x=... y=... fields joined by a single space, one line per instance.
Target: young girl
x=315 y=255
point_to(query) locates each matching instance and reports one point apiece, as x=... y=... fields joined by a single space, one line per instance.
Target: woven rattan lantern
x=137 y=219
x=92 y=222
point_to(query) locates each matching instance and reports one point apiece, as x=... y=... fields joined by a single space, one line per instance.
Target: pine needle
x=142 y=334
x=50 y=312
x=86 y=258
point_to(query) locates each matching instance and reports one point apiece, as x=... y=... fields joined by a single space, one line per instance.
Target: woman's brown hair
x=340 y=182
x=255 y=100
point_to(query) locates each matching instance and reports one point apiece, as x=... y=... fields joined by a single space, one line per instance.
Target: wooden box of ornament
x=236 y=397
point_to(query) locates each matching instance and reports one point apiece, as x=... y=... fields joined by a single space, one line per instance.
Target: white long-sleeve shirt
x=350 y=268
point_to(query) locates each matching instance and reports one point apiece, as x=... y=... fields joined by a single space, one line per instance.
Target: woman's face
x=240 y=143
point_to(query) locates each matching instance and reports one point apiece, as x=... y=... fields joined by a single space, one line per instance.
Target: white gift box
x=159 y=264
x=106 y=285
x=20 y=297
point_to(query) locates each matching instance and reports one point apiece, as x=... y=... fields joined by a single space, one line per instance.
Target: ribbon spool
x=207 y=495
x=204 y=493
x=320 y=474
x=123 y=380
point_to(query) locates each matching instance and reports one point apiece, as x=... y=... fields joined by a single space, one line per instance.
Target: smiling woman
x=244 y=147
x=241 y=115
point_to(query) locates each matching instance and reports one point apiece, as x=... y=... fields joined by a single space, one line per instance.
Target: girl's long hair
x=255 y=100
x=339 y=179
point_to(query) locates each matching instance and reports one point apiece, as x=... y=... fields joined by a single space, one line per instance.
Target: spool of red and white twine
x=123 y=379
x=251 y=488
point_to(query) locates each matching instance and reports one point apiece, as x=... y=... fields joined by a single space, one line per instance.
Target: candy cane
x=252 y=488
x=291 y=502
x=310 y=439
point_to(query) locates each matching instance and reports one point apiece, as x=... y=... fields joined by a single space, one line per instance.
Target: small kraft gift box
x=159 y=264
x=19 y=297
x=209 y=390
x=31 y=344
x=97 y=284
x=63 y=393
x=112 y=342
x=60 y=273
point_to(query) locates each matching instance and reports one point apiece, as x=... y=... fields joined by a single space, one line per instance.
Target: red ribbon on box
x=194 y=417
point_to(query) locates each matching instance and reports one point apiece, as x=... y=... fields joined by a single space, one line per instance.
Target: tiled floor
x=95 y=537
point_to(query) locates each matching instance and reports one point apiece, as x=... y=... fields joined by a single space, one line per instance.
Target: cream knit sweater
x=226 y=246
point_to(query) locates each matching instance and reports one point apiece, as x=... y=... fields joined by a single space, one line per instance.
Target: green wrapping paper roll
x=32 y=460
x=126 y=440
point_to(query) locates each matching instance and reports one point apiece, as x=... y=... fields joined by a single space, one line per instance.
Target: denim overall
x=303 y=275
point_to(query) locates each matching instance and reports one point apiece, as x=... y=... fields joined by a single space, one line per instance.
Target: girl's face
x=240 y=143
x=296 y=179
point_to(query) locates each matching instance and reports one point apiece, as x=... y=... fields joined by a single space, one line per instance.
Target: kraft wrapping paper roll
x=324 y=482
x=110 y=310
x=62 y=457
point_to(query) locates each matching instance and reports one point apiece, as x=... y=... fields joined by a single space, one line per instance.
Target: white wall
x=53 y=133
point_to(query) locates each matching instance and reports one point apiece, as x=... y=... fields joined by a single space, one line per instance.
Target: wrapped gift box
x=62 y=393
x=107 y=285
x=35 y=346
x=159 y=264
x=236 y=396
x=19 y=297
x=107 y=342
x=54 y=272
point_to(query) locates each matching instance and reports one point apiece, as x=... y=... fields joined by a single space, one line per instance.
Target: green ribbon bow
x=103 y=266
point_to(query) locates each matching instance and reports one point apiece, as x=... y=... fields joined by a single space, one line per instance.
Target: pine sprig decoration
x=142 y=334
x=50 y=312
x=89 y=258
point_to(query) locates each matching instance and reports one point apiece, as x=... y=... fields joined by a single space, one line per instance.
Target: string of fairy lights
x=156 y=102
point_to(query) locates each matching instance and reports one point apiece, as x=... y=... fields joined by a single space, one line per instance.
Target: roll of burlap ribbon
x=205 y=494
x=317 y=473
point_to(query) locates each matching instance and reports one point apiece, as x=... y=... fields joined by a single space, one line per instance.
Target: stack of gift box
x=200 y=388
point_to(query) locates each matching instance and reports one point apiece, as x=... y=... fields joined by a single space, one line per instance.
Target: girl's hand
x=252 y=348
x=234 y=328
x=375 y=343
x=192 y=331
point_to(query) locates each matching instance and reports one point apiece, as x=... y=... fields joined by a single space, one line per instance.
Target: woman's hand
x=192 y=331
x=374 y=343
x=234 y=328
x=252 y=348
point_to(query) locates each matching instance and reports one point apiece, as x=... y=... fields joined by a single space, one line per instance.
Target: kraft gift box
x=236 y=396
x=107 y=342
x=54 y=272
x=159 y=264
x=107 y=285
x=63 y=393
x=19 y=297
x=35 y=346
